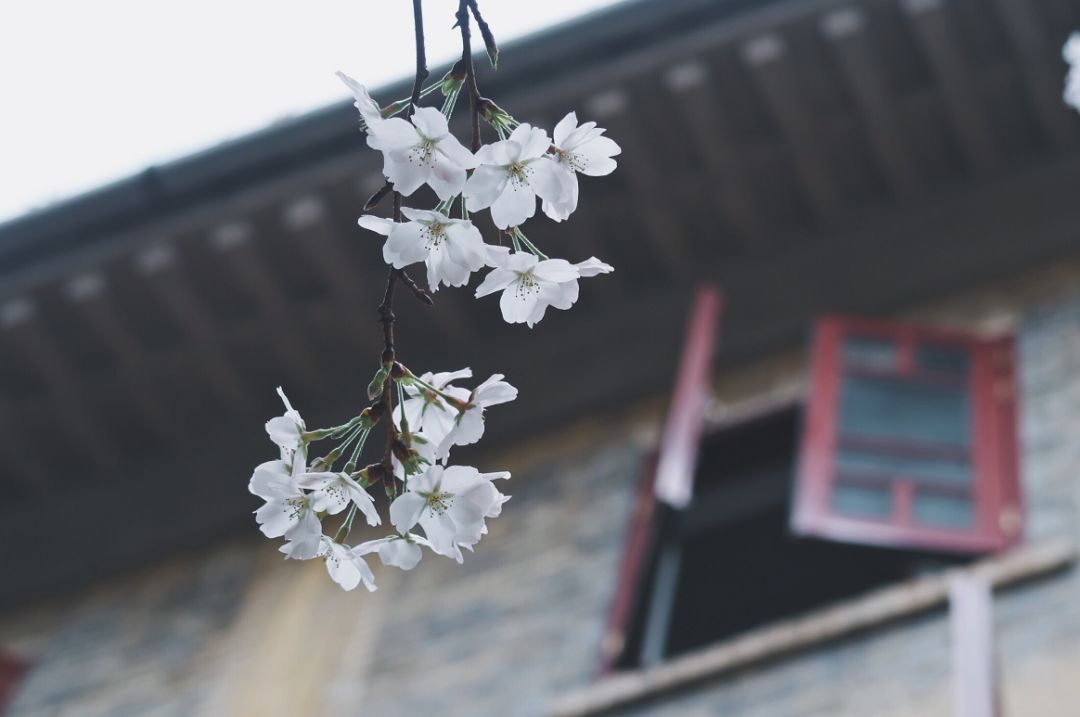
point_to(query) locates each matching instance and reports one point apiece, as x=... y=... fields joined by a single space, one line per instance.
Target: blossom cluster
x=449 y=503
x=507 y=177
x=432 y=505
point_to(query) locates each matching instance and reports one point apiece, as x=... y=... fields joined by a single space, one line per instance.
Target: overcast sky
x=93 y=90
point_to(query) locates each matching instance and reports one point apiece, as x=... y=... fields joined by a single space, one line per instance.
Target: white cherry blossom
x=421 y=151
x=528 y=284
x=579 y=149
x=332 y=493
x=370 y=113
x=469 y=422
x=286 y=430
x=398 y=551
x=451 y=505
x=426 y=411
x=288 y=511
x=346 y=566
x=451 y=249
x=568 y=291
x=513 y=173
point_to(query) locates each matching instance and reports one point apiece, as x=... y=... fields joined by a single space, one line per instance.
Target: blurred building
x=885 y=193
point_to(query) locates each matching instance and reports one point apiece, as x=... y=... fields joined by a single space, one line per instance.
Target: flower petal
x=431 y=122
x=533 y=140
x=405 y=511
x=563 y=129
x=379 y=225
x=516 y=204
x=496 y=280
x=405 y=245
x=484 y=186
x=517 y=302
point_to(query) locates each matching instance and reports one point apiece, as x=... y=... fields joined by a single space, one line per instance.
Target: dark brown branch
x=470 y=72
x=485 y=32
x=421 y=57
x=386 y=307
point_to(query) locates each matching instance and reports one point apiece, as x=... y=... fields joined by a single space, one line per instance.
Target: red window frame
x=991 y=384
x=669 y=470
x=12 y=670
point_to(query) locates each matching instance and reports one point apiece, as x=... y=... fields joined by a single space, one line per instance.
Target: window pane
x=904 y=410
x=870 y=352
x=942 y=358
x=942 y=510
x=943 y=471
x=862 y=500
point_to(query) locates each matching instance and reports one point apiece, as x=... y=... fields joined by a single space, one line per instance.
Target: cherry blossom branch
x=508 y=177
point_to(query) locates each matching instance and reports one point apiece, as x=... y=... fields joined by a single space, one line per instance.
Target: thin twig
x=470 y=72
x=386 y=307
x=485 y=33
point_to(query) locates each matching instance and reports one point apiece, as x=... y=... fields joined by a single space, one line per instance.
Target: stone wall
x=235 y=631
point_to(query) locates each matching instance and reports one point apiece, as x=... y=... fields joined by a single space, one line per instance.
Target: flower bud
x=375 y=388
x=394 y=108
x=494 y=115
x=454 y=79
x=372 y=414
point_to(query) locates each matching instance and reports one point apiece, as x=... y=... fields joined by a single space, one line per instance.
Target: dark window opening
x=728 y=563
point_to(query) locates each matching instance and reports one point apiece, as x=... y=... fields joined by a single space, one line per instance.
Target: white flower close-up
x=287 y=430
x=370 y=113
x=332 y=493
x=512 y=173
x=451 y=249
x=426 y=411
x=451 y=505
x=346 y=566
x=421 y=151
x=397 y=551
x=529 y=284
x=468 y=425
x=287 y=512
x=580 y=149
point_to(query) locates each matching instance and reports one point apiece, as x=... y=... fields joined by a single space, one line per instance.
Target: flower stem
x=346 y=525
x=529 y=245
x=355 y=457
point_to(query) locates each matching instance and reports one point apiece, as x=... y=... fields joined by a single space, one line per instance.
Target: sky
x=95 y=91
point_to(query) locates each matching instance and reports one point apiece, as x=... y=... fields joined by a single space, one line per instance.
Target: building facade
x=906 y=162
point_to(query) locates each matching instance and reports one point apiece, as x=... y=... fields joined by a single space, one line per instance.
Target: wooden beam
x=845 y=31
x=611 y=109
x=931 y=25
x=164 y=275
x=22 y=327
x=234 y=241
x=88 y=292
x=18 y=464
x=766 y=58
x=693 y=87
x=1040 y=60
